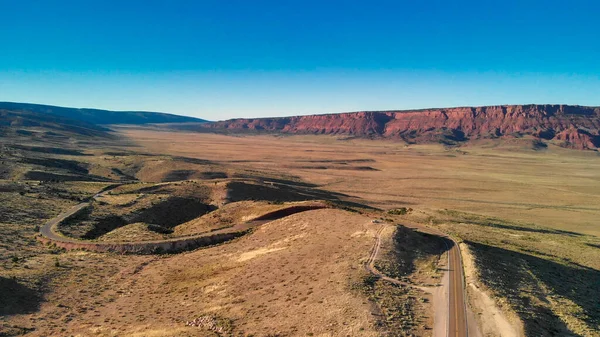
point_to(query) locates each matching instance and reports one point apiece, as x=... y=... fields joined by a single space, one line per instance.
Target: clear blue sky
x=222 y=59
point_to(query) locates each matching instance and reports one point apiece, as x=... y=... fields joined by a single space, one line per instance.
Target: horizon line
x=309 y=114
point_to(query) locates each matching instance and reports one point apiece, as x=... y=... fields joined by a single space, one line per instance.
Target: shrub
x=400 y=211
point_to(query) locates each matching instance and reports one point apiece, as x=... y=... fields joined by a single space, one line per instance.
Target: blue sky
x=225 y=59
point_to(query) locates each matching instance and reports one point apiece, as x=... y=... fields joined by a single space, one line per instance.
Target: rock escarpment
x=570 y=126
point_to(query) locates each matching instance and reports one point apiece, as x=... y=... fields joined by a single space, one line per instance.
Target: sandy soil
x=440 y=305
x=492 y=319
x=226 y=216
x=291 y=277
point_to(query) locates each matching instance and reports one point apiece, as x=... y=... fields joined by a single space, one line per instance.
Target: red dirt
x=578 y=139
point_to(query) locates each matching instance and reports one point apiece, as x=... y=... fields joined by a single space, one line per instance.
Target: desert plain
x=525 y=219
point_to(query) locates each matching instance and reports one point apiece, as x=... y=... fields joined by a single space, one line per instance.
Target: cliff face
x=571 y=126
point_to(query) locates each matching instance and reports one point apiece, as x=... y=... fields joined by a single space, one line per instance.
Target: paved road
x=457 y=309
x=457 y=320
x=47 y=228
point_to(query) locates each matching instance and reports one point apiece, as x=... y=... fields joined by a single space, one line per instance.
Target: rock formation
x=570 y=126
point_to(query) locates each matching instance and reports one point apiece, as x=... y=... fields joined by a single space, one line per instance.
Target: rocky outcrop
x=578 y=139
x=571 y=126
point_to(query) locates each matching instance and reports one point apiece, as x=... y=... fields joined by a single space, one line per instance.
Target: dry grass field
x=554 y=188
x=527 y=216
x=268 y=284
x=264 y=284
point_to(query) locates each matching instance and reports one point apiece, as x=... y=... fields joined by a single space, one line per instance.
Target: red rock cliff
x=571 y=126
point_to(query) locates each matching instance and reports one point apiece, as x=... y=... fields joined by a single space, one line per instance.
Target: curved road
x=178 y=244
x=457 y=320
x=47 y=228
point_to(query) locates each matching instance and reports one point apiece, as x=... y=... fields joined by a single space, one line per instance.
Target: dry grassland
x=548 y=278
x=528 y=217
x=291 y=277
x=554 y=188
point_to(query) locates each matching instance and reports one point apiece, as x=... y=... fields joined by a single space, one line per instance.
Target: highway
x=457 y=320
x=456 y=324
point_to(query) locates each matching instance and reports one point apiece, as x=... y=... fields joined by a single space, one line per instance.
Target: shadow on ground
x=531 y=283
x=92 y=222
x=16 y=298
x=530 y=229
x=277 y=190
x=275 y=180
x=496 y=223
x=409 y=246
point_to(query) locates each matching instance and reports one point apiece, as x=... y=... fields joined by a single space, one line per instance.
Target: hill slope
x=33 y=124
x=570 y=126
x=96 y=116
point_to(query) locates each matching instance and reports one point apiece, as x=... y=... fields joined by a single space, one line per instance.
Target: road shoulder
x=489 y=318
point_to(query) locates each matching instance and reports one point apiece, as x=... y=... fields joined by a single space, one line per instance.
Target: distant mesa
x=569 y=126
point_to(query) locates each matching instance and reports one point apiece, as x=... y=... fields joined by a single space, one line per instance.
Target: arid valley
x=154 y=229
x=206 y=168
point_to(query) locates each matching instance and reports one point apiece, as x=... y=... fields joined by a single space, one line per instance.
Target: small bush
x=369 y=280
x=159 y=229
x=400 y=211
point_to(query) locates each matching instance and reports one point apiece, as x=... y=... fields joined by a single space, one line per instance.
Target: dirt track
x=456 y=325
x=456 y=322
x=50 y=236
